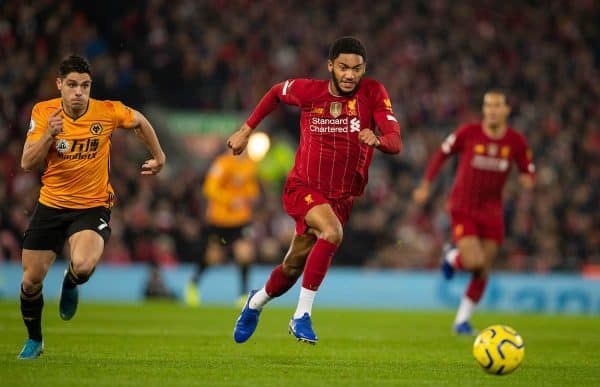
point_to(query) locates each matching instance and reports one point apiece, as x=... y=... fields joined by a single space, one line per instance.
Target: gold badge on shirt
x=335 y=109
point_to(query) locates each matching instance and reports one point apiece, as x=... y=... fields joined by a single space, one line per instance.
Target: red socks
x=278 y=283
x=317 y=264
x=476 y=288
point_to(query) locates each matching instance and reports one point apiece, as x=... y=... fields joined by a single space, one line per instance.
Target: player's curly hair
x=347 y=45
x=74 y=64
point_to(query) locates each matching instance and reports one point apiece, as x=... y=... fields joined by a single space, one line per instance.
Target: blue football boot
x=302 y=329
x=247 y=322
x=31 y=350
x=69 y=298
x=464 y=329
x=445 y=267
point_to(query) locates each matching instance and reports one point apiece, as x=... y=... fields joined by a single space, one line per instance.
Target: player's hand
x=238 y=141
x=55 y=122
x=421 y=193
x=153 y=166
x=366 y=136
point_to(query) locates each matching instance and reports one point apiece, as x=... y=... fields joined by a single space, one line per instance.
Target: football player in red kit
x=343 y=120
x=486 y=151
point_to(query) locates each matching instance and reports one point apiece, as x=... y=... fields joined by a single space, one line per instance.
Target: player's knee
x=82 y=271
x=479 y=263
x=30 y=287
x=333 y=234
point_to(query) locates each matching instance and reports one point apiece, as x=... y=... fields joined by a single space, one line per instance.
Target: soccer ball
x=499 y=349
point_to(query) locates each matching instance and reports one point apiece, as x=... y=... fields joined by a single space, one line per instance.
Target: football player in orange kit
x=71 y=137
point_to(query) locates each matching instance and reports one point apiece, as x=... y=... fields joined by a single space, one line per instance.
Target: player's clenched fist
x=238 y=141
x=366 y=136
x=55 y=122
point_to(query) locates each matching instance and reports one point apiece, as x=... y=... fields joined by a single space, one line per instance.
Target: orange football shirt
x=78 y=161
x=231 y=187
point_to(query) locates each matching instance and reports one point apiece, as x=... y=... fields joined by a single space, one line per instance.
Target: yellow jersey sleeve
x=38 y=123
x=124 y=115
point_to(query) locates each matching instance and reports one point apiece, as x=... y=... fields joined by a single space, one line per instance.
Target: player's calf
x=69 y=295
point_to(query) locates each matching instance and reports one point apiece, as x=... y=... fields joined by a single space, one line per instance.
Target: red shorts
x=485 y=227
x=298 y=199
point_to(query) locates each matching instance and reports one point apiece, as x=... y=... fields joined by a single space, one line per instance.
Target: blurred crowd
x=436 y=58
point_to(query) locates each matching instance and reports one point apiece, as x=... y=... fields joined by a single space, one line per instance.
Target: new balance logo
x=354 y=125
x=102 y=225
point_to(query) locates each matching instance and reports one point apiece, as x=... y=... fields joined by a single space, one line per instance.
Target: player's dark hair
x=74 y=64
x=498 y=91
x=347 y=45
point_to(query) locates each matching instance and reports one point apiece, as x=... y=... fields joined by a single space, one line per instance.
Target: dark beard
x=338 y=90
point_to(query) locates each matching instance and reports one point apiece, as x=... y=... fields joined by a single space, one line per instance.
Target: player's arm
x=524 y=160
x=389 y=141
x=281 y=92
x=147 y=135
x=452 y=144
x=39 y=138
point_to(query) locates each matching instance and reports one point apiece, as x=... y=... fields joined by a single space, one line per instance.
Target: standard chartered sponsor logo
x=334 y=125
x=489 y=163
x=355 y=125
x=329 y=125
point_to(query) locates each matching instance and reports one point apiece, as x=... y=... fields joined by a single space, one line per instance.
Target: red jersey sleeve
x=286 y=92
x=383 y=114
x=524 y=157
x=454 y=143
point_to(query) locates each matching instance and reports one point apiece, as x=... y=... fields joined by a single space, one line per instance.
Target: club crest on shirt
x=492 y=149
x=335 y=109
x=479 y=149
x=308 y=199
x=62 y=145
x=505 y=151
x=352 y=107
x=96 y=128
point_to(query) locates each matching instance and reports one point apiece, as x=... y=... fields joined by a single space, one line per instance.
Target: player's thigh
x=323 y=219
x=36 y=264
x=87 y=234
x=299 y=249
x=471 y=251
x=490 y=250
x=86 y=247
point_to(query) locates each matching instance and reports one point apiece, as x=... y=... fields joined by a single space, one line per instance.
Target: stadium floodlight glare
x=258 y=146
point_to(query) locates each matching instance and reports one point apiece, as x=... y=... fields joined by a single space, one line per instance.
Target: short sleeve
x=38 y=123
x=124 y=115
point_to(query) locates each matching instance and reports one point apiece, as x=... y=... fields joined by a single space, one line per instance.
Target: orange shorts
x=298 y=199
x=485 y=227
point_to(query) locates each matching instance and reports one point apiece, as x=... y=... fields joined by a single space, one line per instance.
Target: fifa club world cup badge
x=335 y=109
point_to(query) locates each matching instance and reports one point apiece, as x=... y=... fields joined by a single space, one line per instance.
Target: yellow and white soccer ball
x=499 y=349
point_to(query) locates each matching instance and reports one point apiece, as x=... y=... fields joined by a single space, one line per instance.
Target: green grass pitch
x=155 y=344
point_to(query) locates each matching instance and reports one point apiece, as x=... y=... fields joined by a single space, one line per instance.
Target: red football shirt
x=330 y=158
x=483 y=168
